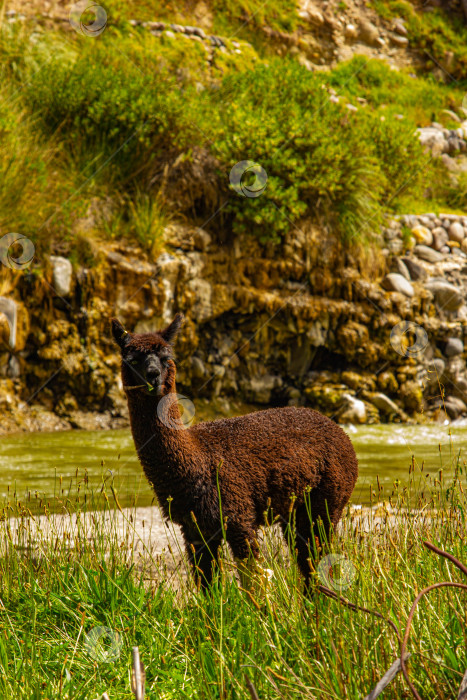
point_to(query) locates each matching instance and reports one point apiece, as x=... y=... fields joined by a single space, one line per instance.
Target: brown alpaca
x=273 y=458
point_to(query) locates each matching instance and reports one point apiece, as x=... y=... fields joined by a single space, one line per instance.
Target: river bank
x=102 y=585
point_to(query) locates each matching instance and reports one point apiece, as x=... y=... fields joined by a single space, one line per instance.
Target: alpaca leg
x=202 y=556
x=297 y=537
x=309 y=539
x=245 y=549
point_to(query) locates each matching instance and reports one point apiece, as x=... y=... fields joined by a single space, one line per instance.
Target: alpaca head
x=147 y=361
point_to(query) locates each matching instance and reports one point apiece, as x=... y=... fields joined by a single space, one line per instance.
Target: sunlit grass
x=65 y=574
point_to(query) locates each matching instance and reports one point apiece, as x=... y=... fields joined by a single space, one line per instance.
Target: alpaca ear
x=119 y=333
x=170 y=333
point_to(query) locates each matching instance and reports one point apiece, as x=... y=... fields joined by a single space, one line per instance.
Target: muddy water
x=53 y=463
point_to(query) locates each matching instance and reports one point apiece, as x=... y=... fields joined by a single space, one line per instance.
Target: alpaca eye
x=133 y=362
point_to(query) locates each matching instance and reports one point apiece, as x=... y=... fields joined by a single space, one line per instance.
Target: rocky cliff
x=302 y=327
x=362 y=334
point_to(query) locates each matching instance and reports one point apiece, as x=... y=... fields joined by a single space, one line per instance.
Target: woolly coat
x=277 y=458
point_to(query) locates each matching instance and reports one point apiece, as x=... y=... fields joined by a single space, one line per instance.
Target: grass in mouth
x=79 y=588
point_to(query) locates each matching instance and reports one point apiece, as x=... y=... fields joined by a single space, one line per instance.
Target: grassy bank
x=65 y=582
x=115 y=136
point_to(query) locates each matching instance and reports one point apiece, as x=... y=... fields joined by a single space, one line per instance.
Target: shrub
x=321 y=160
x=27 y=186
x=129 y=119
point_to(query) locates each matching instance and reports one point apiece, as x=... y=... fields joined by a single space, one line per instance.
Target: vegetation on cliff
x=144 y=125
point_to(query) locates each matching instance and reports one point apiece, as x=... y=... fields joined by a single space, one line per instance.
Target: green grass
x=61 y=579
x=140 y=127
x=129 y=121
x=420 y=99
x=434 y=34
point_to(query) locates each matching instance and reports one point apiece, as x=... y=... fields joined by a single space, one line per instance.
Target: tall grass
x=66 y=575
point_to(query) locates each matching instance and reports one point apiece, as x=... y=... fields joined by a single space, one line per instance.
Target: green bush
x=104 y=103
x=321 y=160
x=130 y=120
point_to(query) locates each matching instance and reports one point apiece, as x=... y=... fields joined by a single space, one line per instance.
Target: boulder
x=309 y=12
x=388 y=382
x=455 y=368
x=368 y=33
x=427 y=221
x=399 y=27
x=384 y=404
x=440 y=237
x=315 y=16
x=198 y=369
x=447 y=296
x=454 y=407
x=416 y=271
x=261 y=388
x=428 y=254
x=351 y=32
x=411 y=395
x=202 y=307
x=15 y=323
x=201 y=239
x=62 y=273
x=432 y=139
x=393 y=282
x=456 y=232
x=460 y=389
x=422 y=234
x=401 y=269
x=354 y=412
x=409 y=220
x=399 y=40
x=454 y=346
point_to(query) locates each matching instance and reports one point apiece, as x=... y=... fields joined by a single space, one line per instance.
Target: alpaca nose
x=153 y=374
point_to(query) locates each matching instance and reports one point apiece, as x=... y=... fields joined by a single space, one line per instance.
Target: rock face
x=290 y=326
x=9 y=311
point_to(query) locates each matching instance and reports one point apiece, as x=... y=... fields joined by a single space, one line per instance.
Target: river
x=49 y=463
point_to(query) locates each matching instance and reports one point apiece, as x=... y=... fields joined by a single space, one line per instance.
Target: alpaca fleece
x=270 y=460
